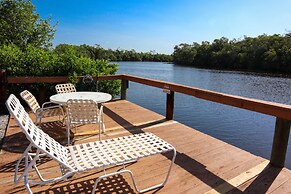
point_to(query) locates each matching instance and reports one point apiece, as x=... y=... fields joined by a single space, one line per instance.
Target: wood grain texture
x=203 y=163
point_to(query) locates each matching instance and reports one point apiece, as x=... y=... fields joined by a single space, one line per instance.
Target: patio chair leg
x=103 y=127
x=36 y=121
x=102 y=119
x=68 y=135
x=39 y=124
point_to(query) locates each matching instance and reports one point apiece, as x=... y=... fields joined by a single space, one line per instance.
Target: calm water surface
x=245 y=129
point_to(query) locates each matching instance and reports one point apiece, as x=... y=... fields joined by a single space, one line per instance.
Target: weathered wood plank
x=239 y=180
x=203 y=162
x=271 y=179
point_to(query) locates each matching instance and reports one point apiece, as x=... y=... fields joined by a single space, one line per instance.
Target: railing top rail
x=53 y=79
x=261 y=106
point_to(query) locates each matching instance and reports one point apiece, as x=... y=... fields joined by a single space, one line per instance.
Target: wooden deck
x=203 y=164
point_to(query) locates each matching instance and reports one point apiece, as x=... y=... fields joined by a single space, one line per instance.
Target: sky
x=159 y=25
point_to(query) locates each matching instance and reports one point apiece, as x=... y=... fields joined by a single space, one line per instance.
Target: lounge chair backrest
x=37 y=137
x=65 y=88
x=30 y=100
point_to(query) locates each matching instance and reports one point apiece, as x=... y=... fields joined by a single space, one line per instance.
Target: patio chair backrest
x=30 y=100
x=37 y=137
x=82 y=111
x=65 y=88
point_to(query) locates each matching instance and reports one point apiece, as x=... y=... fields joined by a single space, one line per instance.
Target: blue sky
x=159 y=25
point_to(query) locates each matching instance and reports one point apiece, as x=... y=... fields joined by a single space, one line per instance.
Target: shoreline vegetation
x=269 y=54
x=97 y=52
x=26 y=50
x=262 y=54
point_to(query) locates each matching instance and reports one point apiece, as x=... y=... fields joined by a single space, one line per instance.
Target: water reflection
x=245 y=129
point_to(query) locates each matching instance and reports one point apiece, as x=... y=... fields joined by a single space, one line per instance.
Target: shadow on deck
x=203 y=164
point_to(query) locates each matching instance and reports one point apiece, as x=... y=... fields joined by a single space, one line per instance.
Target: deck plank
x=203 y=163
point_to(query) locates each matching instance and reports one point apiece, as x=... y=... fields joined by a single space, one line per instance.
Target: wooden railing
x=282 y=112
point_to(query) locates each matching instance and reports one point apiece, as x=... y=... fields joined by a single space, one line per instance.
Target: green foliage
x=40 y=62
x=24 y=42
x=97 y=52
x=21 y=25
x=262 y=53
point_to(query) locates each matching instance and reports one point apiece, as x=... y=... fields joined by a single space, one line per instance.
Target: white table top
x=98 y=97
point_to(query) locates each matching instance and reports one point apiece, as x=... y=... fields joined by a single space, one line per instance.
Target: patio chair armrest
x=43 y=108
x=50 y=104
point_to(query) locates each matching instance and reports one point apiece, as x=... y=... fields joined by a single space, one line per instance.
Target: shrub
x=34 y=61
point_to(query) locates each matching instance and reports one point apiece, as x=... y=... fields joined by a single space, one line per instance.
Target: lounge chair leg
x=26 y=183
x=161 y=184
x=133 y=180
x=108 y=175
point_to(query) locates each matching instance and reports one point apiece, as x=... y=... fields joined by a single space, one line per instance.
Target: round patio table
x=98 y=97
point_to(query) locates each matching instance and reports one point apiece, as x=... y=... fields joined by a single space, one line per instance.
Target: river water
x=245 y=129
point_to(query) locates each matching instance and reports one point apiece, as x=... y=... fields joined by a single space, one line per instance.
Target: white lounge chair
x=65 y=88
x=47 y=109
x=83 y=112
x=82 y=157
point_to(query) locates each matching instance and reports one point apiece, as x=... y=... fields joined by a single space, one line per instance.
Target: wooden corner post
x=3 y=90
x=124 y=87
x=280 y=142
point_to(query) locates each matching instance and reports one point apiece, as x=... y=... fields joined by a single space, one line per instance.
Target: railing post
x=41 y=94
x=280 y=142
x=170 y=106
x=3 y=91
x=124 y=86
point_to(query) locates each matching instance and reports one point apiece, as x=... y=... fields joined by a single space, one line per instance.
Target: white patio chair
x=47 y=109
x=65 y=88
x=80 y=111
x=82 y=157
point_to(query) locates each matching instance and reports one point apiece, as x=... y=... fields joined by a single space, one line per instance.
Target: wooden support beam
x=280 y=142
x=42 y=94
x=170 y=106
x=124 y=87
x=3 y=91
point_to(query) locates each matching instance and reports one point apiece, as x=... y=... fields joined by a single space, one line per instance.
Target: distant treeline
x=262 y=53
x=97 y=52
